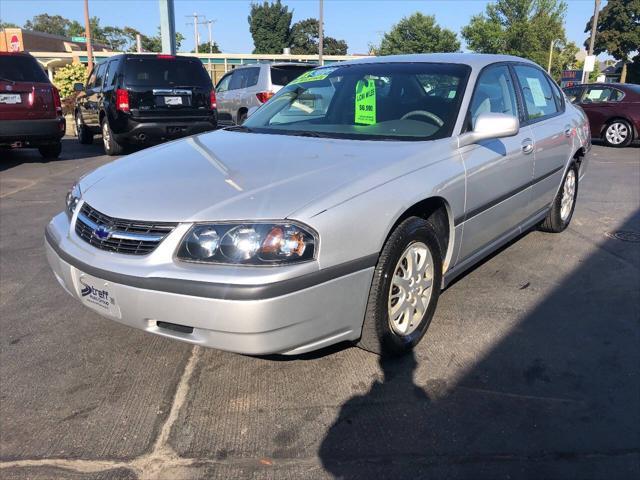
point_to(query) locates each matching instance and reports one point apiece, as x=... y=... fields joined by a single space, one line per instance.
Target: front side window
x=392 y=101
x=494 y=93
x=573 y=93
x=536 y=90
x=100 y=75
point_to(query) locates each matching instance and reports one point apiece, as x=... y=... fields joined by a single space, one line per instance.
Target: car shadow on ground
x=71 y=150
x=556 y=398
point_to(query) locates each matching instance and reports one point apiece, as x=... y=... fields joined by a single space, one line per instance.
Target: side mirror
x=490 y=125
x=78 y=87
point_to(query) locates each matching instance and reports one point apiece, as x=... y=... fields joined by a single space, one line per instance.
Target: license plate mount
x=173 y=100
x=97 y=294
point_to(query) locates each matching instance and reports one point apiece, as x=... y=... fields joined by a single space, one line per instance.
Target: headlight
x=73 y=197
x=248 y=243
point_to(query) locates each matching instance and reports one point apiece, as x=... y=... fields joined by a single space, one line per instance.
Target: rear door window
x=601 y=94
x=283 y=74
x=165 y=72
x=21 y=68
x=537 y=93
x=244 y=78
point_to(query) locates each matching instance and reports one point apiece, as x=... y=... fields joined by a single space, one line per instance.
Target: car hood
x=227 y=175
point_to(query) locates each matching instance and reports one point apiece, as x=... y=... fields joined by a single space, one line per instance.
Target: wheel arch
x=438 y=209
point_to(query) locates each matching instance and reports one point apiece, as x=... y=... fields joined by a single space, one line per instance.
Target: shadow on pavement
x=71 y=150
x=557 y=397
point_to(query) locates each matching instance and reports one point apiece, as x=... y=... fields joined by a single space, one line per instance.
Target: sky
x=359 y=22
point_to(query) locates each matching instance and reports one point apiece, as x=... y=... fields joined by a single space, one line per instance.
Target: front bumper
x=299 y=321
x=33 y=132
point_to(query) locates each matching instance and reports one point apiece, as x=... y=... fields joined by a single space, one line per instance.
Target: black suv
x=144 y=99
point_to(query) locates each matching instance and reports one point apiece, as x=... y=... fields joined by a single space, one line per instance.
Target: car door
x=93 y=97
x=552 y=131
x=499 y=171
x=223 y=97
x=83 y=97
x=599 y=102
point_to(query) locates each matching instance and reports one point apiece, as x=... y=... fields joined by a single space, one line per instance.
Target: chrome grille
x=131 y=237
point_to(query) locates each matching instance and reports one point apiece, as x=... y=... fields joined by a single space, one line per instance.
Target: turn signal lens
x=248 y=244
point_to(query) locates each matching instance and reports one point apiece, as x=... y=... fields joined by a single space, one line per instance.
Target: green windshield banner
x=365 y=102
x=313 y=75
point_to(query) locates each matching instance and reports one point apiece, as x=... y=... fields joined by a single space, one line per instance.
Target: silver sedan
x=337 y=212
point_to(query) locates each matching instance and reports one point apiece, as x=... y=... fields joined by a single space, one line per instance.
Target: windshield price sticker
x=365 y=107
x=313 y=75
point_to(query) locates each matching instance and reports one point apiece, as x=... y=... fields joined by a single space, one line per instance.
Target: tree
x=270 y=24
x=204 y=48
x=618 y=31
x=305 y=38
x=53 y=24
x=67 y=75
x=418 y=33
x=524 y=28
x=148 y=44
x=4 y=25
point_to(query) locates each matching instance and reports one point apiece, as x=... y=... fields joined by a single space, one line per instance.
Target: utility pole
x=167 y=27
x=87 y=35
x=321 y=35
x=551 y=54
x=210 y=25
x=196 y=34
x=594 y=29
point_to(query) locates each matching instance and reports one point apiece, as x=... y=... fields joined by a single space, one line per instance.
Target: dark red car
x=30 y=108
x=613 y=110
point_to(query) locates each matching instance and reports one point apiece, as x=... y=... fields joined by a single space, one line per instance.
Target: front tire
x=564 y=204
x=85 y=137
x=50 y=152
x=405 y=289
x=111 y=146
x=618 y=134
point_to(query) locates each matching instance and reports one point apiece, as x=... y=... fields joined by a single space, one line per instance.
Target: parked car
x=613 y=110
x=245 y=88
x=144 y=99
x=337 y=212
x=30 y=108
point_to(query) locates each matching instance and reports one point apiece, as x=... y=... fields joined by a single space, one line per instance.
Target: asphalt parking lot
x=531 y=368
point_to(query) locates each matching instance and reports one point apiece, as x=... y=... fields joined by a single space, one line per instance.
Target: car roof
x=275 y=64
x=474 y=60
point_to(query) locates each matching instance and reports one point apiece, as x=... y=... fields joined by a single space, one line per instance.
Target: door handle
x=568 y=131
x=527 y=146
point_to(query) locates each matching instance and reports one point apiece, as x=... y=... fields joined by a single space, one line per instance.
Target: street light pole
x=321 y=35
x=87 y=35
x=167 y=27
x=592 y=41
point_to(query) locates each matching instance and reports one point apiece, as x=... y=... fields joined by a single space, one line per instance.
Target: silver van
x=250 y=86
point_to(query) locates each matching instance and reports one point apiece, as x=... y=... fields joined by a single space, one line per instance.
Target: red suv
x=30 y=109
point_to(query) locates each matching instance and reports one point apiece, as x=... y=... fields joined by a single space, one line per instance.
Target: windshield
x=394 y=101
x=164 y=72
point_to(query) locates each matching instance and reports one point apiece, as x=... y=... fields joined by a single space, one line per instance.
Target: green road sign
x=79 y=39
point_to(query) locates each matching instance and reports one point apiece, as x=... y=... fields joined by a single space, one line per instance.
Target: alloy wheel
x=568 y=195
x=106 y=135
x=411 y=288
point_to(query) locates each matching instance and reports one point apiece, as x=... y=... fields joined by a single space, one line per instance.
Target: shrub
x=66 y=76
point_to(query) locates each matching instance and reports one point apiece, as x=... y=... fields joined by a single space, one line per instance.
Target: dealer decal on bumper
x=95 y=294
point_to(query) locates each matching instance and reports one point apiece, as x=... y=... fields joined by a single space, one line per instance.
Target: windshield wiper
x=239 y=128
x=307 y=133
x=12 y=82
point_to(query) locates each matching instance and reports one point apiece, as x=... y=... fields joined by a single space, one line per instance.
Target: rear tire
x=564 y=204
x=50 y=152
x=406 y=283
x=85 y=137
x=618 y=133
x=111 y=146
